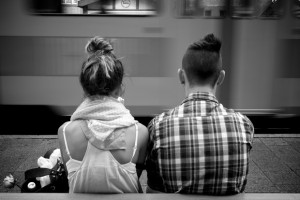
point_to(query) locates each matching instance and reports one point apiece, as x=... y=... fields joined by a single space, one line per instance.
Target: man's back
x=199 y=147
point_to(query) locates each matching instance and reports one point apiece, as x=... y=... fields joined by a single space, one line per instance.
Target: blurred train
x=42 y=49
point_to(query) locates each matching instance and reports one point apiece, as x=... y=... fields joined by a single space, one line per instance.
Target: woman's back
x=102 y=143
x=92 y=170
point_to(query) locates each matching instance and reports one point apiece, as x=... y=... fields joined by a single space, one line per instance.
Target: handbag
x=57 y=175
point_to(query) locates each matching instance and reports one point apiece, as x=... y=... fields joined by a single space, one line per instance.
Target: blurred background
x=42 y=49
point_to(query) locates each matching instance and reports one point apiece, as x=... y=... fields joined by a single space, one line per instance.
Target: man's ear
x=221 y=77
x=181 y=76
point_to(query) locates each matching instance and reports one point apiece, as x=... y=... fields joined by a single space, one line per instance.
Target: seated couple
x=198 y=147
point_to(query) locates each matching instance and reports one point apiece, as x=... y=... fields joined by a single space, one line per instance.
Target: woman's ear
x=181 y=76
x=221 y=77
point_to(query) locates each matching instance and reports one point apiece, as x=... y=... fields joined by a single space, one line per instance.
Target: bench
x=59 y=196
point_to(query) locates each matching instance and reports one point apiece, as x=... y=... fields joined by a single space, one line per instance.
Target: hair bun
x=212 y=43
x=208 y=43
x=98 y=43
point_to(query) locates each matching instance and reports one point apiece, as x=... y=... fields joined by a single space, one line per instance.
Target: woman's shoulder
x=74 y=139
x=143 y=135
x=74 y=127
x=143 y=131
x=70 y=126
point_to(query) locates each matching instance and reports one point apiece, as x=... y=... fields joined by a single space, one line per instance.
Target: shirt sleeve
x=249 y=129
x=154 y=179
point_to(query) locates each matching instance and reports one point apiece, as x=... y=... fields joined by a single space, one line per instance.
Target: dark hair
x=202 y=61
x=102 y=72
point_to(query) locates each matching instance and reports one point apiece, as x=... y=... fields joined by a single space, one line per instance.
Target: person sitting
x=102 y=143
x=199 y=146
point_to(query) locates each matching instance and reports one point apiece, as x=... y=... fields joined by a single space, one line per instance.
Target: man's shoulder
x=161 y=118
x=240 y=117
x=221 y=111
x=244 y=118
x=164 y=115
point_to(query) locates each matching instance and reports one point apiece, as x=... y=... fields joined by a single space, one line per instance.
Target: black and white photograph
x=150 y=99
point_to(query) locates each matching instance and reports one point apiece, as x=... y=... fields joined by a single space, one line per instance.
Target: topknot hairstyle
x=97 y=43
x=208 y=43
x=202 y=61
x=102 y=72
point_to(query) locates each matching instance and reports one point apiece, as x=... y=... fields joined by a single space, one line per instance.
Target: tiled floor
x=274 y=165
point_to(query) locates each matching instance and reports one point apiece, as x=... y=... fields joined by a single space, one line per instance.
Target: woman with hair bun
x=103 y=143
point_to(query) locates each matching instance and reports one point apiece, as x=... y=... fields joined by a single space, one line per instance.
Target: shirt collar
x=201 y=96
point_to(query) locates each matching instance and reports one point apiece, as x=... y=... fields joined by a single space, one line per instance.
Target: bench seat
x=57 y=196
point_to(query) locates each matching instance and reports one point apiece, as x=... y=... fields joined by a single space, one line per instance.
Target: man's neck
x=195 y=89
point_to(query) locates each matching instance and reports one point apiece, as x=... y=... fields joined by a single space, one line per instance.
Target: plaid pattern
x=199 y=147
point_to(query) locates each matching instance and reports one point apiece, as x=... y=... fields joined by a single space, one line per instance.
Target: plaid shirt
x=199 y=147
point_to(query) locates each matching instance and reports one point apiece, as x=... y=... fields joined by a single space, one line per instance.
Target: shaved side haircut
x=202 y=61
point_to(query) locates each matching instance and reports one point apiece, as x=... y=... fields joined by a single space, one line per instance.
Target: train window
x=207 y=13
x=264 y=9
x=94 y=7
x=296 y=8
x=242 y=8
x=148 y=4
x=290 y=58
x=67 y=1
x=202 y=8
x=273 y=9
x=222 y=13
x=125 y=5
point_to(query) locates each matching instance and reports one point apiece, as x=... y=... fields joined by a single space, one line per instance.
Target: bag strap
x=65 y=139
x=49 y=152
x=38 y=172
x=136 y=140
